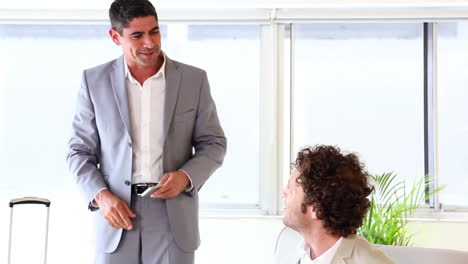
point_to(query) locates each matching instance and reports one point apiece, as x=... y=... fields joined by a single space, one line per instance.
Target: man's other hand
x=173 y=183
x=115 y=211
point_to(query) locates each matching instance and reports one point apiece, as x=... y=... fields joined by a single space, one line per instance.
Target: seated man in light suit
x=326 y=201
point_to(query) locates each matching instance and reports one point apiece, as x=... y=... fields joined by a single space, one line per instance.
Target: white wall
x=440 y=234
x=238 y=240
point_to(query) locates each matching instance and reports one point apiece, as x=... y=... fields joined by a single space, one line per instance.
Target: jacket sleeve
x=208 y=140
x=84 y=146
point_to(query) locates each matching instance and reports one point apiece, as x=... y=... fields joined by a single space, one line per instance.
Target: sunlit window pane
x=452 y=112
x=231 y=57
x=40 y=73
x=360 y=86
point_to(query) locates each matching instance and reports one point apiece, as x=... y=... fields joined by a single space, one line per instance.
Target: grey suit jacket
x=100 y=148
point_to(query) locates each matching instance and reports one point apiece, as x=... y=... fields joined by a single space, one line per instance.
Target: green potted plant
x=392 y=203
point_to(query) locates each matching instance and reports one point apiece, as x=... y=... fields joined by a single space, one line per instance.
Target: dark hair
x=121 y=12
x=336 y=185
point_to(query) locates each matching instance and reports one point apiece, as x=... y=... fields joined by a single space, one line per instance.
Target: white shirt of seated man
x=325 y=258
x=318 y=245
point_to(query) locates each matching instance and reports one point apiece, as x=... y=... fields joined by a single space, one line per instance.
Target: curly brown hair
x=336 y=185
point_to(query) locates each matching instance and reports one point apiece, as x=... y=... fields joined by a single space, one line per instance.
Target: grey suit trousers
x=151 y=241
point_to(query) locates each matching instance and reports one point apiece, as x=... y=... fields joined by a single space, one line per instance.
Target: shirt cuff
x=93 y=202
x=190 y=187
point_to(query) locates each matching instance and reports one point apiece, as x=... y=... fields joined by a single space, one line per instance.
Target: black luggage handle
x=30 y=200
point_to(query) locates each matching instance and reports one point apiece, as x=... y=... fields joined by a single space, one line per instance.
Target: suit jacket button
x=127 y=183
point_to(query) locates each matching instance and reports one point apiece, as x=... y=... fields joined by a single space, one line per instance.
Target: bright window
x=360 y=87
x=230 y=54
x=453 y=112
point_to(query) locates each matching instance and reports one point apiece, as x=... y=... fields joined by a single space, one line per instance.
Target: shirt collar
x=161 y=72
x=304 y=249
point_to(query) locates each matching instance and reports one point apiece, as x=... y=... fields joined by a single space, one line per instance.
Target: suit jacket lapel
x=173 y=78
x=345 y=251
x=119 y=86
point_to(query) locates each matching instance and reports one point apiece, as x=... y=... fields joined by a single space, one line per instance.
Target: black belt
x=139 y=188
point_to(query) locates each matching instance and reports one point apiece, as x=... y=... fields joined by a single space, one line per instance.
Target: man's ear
x=311 y=212
x=115 y=36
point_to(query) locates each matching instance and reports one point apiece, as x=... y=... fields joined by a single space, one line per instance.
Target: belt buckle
x=139 y=188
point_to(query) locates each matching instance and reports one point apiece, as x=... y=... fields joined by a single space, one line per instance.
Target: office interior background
x=385 y=79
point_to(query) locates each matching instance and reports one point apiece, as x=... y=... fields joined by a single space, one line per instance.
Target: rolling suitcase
x=28 y=200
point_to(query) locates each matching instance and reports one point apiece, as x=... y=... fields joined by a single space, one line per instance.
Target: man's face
x=293 y=195
x=140 y=41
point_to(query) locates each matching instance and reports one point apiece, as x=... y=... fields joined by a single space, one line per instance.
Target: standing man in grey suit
x=144 y=119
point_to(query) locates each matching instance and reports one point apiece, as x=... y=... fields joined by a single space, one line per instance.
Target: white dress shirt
x=325 y=258
x=146 y=107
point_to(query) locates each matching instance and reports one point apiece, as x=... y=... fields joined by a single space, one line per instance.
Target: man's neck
x=319 y=241
x=142 y=73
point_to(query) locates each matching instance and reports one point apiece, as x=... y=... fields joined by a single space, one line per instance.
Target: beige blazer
x=352 y=250
x=357 y=250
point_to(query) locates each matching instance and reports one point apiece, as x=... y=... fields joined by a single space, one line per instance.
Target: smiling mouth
x=148 y=54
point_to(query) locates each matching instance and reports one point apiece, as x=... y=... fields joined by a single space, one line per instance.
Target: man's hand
x=174 y=183
x=114 y=210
